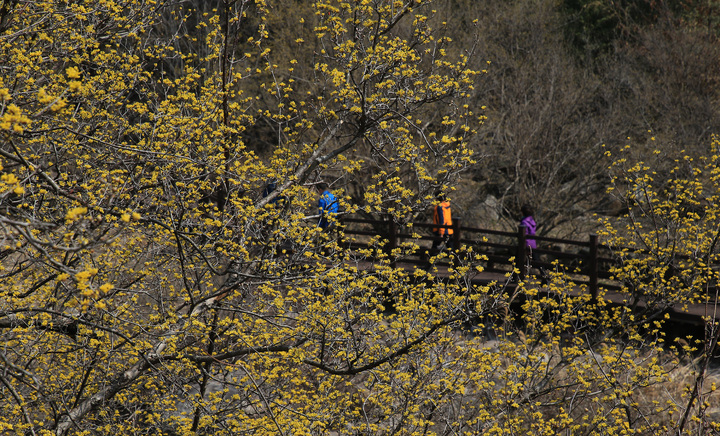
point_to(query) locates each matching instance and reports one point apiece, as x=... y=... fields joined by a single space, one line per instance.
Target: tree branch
x=399 y=352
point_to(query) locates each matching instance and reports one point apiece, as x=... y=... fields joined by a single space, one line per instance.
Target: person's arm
x=322 y=204
x=441 y=215
x=524 y=223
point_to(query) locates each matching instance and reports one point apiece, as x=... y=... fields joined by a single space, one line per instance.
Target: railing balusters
x=593 y=265
x=395 y=234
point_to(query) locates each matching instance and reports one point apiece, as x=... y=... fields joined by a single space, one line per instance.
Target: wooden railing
x=588 y=262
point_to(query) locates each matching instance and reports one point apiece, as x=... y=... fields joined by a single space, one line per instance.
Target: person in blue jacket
x=327 y=206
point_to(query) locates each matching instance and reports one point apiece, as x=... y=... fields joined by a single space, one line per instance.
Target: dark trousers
x=440 y=242
x=533 y=258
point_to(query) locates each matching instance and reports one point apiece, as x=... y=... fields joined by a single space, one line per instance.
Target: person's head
x=439 y=196
x=527 y=210
x=321 y=187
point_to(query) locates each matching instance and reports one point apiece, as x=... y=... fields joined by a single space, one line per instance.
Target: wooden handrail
x=588 y=263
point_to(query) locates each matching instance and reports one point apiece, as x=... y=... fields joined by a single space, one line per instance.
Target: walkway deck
x=589 y=262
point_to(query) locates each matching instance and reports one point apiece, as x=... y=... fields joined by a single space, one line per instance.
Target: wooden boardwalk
x=588 y=262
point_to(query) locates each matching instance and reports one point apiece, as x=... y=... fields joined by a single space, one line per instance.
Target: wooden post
x=392 y=239
x=456 y=233
x=593 y=267
x=521 y=252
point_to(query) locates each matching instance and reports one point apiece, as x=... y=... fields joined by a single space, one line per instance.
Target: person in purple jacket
x=528 y=221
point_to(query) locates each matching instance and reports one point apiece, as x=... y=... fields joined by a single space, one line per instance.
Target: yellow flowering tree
x=150 y=282
x=666 y=247
x=162 y=273
x=666 y=243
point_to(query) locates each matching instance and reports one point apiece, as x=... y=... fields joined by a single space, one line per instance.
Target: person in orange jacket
x=442 y=215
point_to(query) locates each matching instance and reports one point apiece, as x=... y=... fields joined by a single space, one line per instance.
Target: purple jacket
x=530 y=226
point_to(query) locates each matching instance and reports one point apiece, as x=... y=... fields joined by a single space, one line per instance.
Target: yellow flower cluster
x=12 y=117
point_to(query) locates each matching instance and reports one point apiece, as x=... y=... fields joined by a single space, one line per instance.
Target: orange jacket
x=442 y=216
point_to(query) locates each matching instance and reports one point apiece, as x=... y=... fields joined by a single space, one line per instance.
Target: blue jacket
x=328 y=206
